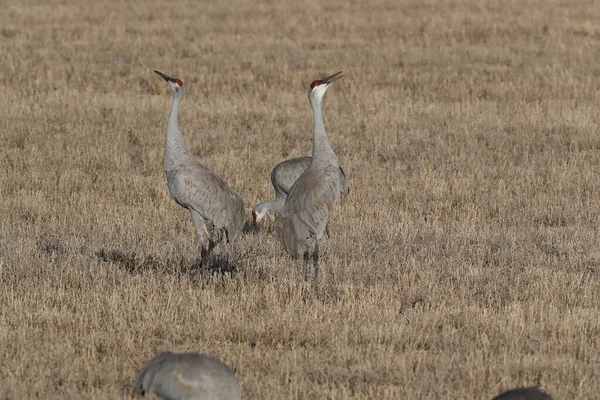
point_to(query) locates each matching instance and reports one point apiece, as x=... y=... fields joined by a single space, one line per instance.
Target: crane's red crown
x=177 y=81
x=315 y=83
x=253 y=215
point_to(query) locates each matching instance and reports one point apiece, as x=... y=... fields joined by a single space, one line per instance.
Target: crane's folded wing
x=209 y=195
x=311 y=201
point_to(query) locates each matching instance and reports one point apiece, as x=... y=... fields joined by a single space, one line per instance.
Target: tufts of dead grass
x=464 y=262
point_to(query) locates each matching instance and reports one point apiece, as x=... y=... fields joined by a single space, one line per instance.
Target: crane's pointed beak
x=165 y=77
x=332 y=78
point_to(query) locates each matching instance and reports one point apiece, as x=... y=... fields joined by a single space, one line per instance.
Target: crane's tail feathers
x=285 y=233
x=236 y=223
x=344 y=185
x=291 y=233
x=345 y=188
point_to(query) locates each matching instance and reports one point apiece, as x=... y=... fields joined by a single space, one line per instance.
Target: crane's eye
x=315 y=83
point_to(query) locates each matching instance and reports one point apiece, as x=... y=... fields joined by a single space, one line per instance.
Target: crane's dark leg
x=203 y=257
x=316 y=259
x=305 y=264
x=211 y=245
x=327 y=231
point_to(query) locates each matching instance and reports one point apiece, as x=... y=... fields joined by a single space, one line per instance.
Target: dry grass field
x=465 y=261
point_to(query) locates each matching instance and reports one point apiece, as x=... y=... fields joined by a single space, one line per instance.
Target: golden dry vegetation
x=464 y=262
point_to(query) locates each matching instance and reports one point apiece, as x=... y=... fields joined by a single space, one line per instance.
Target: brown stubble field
x=464 y=262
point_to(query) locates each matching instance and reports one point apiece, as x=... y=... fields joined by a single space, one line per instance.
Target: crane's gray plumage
x=528 y=393
x=304 y=216
x=187 y=376
x=195 y=187
x=283 y=177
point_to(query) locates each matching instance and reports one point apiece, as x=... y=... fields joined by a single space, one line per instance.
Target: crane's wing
x=281 y=190
x=210 y=196
x=177 y=384
x=156 y=376
x=287 y=172
x=307 y=208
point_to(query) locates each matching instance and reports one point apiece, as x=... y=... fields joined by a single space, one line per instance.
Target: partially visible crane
x=527 y=393
x=187 y=376
x=303 y=219
x=197 y=188
x=283 y=176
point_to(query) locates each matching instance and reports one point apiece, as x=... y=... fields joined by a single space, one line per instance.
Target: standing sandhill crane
x=195 y=187
x=303 y=218
x=187 y=376
x=528 y=393
x=283 y=176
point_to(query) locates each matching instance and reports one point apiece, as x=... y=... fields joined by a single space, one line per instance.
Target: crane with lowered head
x=283 y=177
x=187 y=376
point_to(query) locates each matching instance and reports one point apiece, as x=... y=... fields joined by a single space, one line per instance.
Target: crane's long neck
x=322 y=150
x=273 y=206
x=175 y=147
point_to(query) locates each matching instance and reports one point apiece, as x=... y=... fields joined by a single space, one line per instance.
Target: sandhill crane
x=283 y=176
x=528 y=393
x=195 y=187
x=187 y=376
x=303 y=218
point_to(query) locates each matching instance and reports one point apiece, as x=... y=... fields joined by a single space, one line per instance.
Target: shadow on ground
x=132 y=263
x=250 y=228
x=51 y=248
